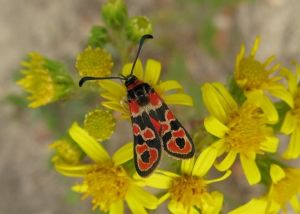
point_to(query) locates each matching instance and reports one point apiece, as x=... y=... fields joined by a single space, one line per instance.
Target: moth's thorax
x=138 y=91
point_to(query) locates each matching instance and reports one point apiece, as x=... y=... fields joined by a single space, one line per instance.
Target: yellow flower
x=115 y=93
x=241 y=130
x=137 y=27
x=284 y=190
x=45 y=80
x=188 y=191
x=106 y=181
x=95 y=62
x=255 y=79
x=291 y=123
x=66 y=152
x=100 y=124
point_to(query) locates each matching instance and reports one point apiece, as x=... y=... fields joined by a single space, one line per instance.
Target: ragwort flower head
x=284 y=191
x=137 y=27
x=95 y=62
x=241 y=130
x=116 y=93
x=45 y=80
x=66 y=151
x=100 y=124
x=106 y=180
x=189 y=190
x=291 y=123
x=255 y=79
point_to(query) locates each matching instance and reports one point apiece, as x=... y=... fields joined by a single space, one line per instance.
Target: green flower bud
x=98 y=36
x=137 y=27
x=114 y=13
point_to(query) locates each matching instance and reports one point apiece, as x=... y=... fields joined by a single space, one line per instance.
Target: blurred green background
x=195 y=40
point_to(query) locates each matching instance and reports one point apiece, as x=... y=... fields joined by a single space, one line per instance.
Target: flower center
x=188 y=190
x=296 y=110
x=251 y=74
x=247 y=129
x=286 y=188
x=106 y=184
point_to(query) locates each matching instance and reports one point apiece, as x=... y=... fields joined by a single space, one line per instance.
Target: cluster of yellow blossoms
x=242 y=120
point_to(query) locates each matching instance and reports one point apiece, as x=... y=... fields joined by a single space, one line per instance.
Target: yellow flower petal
x=177 y=208
x=227 y=162
x=187 y=166
x=293 y=150
x=214 y=102
x=217 y=203
x=250 y=169
x=291 y=79
x=276 y=173
x=163 y=198
x=142 y=197
x=295 y=203
x=88 y=144
x=170 y=85
x=80 y=188
x=205 y=161
x=167 y=173
x=289 y=123
x=116 y=90
x=215 y=127
x=223 y=177
x=231 y=104
x=138 y=69
x=281 y=93
x=270 y=144
x=117 y=207
x=253 y=206
x=134 y=206
x=152 y=72
x=264 y=103
x=124 y=154
x=178 y=99
x=113 y=105
x=158 y=181
x=72 y=171
x=255 y=46
x=240 y=55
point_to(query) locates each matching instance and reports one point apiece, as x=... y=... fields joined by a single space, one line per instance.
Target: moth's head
x=131 y=79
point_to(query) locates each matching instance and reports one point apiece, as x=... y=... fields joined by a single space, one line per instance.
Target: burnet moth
x=154 y=125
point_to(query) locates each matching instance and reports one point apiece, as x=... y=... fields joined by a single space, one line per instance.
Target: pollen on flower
x=188 y=190
x=250 y=73
x=106 y=184
x=286 y=188
x=95 y=62
x=247 y=129
x=100 y=124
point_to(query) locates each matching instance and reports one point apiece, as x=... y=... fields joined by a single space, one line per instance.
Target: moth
x=154 y=125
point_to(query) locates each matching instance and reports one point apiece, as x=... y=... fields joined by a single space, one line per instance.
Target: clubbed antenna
x=84 y=79
x=142 y=40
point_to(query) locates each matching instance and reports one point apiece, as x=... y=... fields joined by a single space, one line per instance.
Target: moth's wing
x=176 y=140
x=147 y=144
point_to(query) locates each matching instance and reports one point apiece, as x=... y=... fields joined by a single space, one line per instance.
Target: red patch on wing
x=133 y=106
x=153 y=156
x=148 y=134
x=178 y=133
x=174 y=148
x=154 y=99
x=165 y=127
x=169 y=116
x=156 y=124
x=136 y=129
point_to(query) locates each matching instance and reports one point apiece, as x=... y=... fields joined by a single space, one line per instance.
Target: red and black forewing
x=147 y=144
x=176 y=140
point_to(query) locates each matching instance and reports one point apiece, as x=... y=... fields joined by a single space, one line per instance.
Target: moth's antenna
x=142 y=40
x=84 y=79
